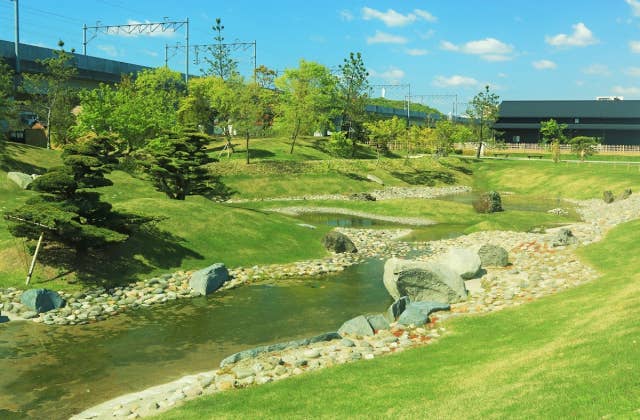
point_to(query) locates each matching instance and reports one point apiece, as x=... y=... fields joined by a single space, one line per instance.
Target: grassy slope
x=574 y=354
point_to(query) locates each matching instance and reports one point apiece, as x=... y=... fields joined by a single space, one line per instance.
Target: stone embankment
x=411 y=221
x=538 y=267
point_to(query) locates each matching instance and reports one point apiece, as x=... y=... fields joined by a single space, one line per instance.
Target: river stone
x=412 y=315
x=362 y=197
x=608 y=197
x=41 y=300
x=396 y=308
x=378 y=322
x=564 y=237
x=493 y=255
x=23 y=180
x=338 y=242
x=209 y=279
x=356 y=326
x=462 y=261
x=423 y=281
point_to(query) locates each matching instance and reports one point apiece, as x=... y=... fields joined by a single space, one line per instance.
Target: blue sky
x=543 y=49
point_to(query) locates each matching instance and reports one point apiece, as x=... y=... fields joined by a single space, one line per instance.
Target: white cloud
x=579 y=82
x=626 y=90
x=391 y=76
x=544 y=65
x=632 y=71
x=426 y=35
x=346 y=15
x=597 y=70
x=502 y=75
x=581 y=37
x=634 y=46
x=425 y=15
x=416 y=51
x=392 y=18
x=385 y=38
x=635 y=7
x=489 y=49
x=455 y=81
x=110 y=50
x=169 y=32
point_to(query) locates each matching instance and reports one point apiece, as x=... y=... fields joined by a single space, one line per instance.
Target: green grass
x=571 y=355
x=548 y=179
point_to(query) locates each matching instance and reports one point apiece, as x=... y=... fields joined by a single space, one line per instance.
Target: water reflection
x=57 y=371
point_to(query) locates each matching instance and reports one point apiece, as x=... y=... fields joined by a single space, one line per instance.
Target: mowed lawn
x=571 y=355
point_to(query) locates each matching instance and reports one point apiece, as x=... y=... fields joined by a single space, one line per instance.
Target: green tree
x=483 y=110
x=338 y=145
x=383 y=132
x=553 y=134
x=221 y=64
x=251 y=115
x=176 y=161
x=354 y=92
x=51 y=94
x=307 y=99
x=71 y=215
x=584 y=146
x=133 y=110
x=8 y=113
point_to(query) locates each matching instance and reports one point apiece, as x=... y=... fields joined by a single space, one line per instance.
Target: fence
x=602 y=148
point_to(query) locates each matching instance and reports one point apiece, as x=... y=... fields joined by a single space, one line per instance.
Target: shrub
x=339 y=145
x=489 y=202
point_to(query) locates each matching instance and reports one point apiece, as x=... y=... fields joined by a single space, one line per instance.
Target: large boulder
x=356 y=326
x=423 y=281
x=493 y=256
x=209 y=279
x=378 y=322
x=563 y=237
x=375 y=179
x=463 y=261
x=23 y=180
x=41 y=300
x=608 y=197
x=338 y=242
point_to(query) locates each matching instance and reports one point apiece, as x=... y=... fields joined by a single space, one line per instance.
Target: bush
x=489 y=202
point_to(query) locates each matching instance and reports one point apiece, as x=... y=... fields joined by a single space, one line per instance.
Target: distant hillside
x=399 y=104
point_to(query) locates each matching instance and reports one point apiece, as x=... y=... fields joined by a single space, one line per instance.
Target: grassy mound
x=573 y=354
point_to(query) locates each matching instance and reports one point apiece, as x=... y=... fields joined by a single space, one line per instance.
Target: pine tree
x=69 y=214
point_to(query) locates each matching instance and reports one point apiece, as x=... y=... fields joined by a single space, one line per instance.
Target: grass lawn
x=571 y=355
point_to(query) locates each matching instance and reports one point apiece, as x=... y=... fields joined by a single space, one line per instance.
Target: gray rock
x=41 y=300
x=375 y=179
x=209 y=279
x=29 y=314
x=428 y=308
x=564 y=237
x=423 y=281
x=462 y=261
x=356 y=326
x=625 y=194
x=396 y=308
x=23 y=180
x=345 y=342
x=413 y=315
x=493 y=255
x=338 y=242
x=608 y=197
x=378 y=322
x=362 y=197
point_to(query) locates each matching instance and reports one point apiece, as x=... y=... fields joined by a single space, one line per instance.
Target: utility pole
x=17 y=37
x=186 y=55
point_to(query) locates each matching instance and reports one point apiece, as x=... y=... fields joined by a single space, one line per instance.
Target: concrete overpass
x=91 y=70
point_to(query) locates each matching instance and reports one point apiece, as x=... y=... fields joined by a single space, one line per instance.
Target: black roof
x=570 y=109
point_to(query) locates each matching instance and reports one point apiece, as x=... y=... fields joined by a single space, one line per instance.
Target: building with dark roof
x=611 y=121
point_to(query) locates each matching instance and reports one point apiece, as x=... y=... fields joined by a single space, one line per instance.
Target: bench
x=500 y=154
x=534 y=156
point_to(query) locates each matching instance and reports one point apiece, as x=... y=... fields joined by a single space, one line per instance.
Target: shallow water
x=58 y=371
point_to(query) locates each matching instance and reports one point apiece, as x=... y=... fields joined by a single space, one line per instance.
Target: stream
x=54 y=372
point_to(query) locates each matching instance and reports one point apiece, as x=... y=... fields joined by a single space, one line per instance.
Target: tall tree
x=221 y=64
x=7 y=97
x=483 y=109
x=354 y=91
x=134 y=110
x=307 y=99
x=52 y=95
x=553 y=134
x=383 y=132
x=252 y=111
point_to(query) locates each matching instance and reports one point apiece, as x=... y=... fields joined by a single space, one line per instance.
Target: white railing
x=603 y=148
